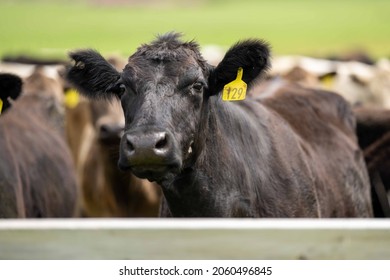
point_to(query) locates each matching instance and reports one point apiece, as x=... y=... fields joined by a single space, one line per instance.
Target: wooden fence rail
x=195 y=239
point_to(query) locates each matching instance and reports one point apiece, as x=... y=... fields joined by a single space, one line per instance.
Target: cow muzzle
x=149 y=154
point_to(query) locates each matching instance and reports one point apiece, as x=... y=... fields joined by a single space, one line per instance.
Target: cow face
x=162 y=94
x=108 y=120
x=40 y=83
x=163 y=91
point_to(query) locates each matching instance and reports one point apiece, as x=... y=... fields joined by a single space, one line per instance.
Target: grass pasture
x=316 y=28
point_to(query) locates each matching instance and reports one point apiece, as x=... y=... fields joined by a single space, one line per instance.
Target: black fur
x=252 y=55
x=92 y=75
x=168 y=47
x=10 y=87
x=373 y=131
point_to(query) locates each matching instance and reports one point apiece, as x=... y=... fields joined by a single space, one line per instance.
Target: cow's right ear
x=92 y=75
x=10 y=88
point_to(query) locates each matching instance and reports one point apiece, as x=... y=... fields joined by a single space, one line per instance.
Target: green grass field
x=317 y=28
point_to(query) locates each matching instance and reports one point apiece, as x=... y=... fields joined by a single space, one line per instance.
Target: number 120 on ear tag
x=235 y=90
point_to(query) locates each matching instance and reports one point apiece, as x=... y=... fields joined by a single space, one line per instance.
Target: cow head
x=163 y=89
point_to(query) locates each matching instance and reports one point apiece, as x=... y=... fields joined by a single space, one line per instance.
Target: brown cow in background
x=37 y=177
x=94 y=129
x=107 y=191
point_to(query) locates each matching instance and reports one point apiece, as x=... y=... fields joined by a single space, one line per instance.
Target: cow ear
x=92 y=75
x=253 y=56
x=10 y=88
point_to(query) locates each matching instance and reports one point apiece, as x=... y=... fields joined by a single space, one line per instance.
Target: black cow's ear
x=253 y=56
x=10 y=88
x=92 y=75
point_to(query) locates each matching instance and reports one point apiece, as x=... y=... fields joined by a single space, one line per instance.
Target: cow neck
x=209 y=128
x=207 y=120
x=193 y=189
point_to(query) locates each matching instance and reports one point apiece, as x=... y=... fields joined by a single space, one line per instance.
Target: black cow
x=293 y=153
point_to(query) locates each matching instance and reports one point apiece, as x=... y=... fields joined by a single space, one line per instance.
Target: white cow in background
x=357 y=82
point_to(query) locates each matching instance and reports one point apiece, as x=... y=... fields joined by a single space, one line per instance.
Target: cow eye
x=197 y=86
x=118 y=89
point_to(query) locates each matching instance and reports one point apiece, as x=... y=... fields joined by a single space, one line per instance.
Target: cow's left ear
x=92 y=75
x=252 y=55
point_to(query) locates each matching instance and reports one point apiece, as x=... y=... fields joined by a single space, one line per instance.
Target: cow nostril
x=130 y=146
x=129 y=143
x=162 y=142
x=107 y=132
x=104 y=129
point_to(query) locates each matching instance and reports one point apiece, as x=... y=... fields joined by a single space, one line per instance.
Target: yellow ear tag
x=1 y=105
x=72 y=98
x=235 y=90
x=328 y=81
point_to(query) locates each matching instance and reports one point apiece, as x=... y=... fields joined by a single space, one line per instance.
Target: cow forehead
x=153 y=71
x=181 y=60
x=168 y=52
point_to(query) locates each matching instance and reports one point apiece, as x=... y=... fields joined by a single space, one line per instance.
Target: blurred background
x=306 y=27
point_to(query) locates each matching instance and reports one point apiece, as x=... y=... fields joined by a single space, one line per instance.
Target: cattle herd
x=151 y=136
